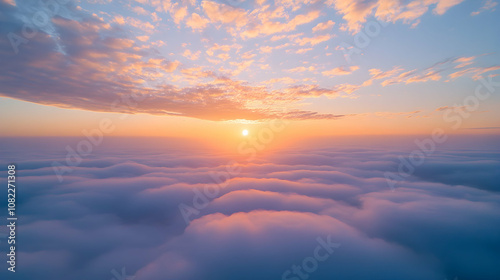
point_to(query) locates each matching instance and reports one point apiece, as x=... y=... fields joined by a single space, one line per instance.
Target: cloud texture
x=120 y=208
x=110 y=59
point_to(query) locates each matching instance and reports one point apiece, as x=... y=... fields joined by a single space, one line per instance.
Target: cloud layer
x=120 y=208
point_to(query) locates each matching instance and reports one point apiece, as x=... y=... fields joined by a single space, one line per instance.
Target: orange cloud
x=488 y=5
x=143 y=38
x=340 y=71
x=267 y=27
x=313 y=40
x=464 y=61
x=301 y=69
x=302 y=51
x=323 y=26
x=191 y=55
x=475 y=71
x=356 y=12
x=221 y=13
x=196 y=22
x=178 y=14
x=445 y=5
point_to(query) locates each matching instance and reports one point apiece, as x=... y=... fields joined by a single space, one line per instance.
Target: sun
x=244 y=132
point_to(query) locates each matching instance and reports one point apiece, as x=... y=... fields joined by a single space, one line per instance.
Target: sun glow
x=244 y=132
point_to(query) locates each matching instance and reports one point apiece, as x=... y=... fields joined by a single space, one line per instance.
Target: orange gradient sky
x=207 y=70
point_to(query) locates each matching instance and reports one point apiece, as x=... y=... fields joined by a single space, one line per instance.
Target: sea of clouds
x=117 y=214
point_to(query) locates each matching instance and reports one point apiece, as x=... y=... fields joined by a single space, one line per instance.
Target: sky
x=260 y=139
x=207 y=70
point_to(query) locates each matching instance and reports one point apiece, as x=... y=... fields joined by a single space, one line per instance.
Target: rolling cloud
x=120 y=209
